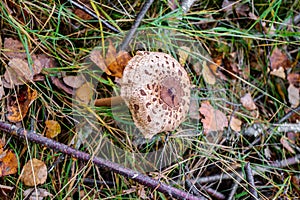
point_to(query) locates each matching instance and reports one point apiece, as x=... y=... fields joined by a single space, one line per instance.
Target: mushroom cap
x=156 y=89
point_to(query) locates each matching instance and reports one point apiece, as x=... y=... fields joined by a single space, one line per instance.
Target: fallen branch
x=119 y=169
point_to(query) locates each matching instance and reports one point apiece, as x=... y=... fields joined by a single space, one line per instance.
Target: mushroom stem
x=110 y=101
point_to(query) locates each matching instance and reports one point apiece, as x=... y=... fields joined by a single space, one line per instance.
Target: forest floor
x=239 y=140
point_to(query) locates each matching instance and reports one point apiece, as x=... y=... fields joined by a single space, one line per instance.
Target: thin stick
x=110 y=101
x=119 y=169
x=125 y=43
x=85 y=9
x=250 y=179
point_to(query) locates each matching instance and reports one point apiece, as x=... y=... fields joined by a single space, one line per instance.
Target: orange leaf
x=8 y=161
x=52 y=128
x=17 y=109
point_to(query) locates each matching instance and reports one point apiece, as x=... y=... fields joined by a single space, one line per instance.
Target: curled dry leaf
x=18 y=107
x=52 y=128
x=248 y=102
x=294 y=79
x=8 y=161
x=39 y=192
x=34 y=172
x=214 y=120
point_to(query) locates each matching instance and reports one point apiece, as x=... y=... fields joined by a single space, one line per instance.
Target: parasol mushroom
x=156 y=89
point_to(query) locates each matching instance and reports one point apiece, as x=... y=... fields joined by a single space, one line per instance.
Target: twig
x=288 y=115
x=119 y=169
x=125 y=43
x=85 y=9
x=250 y=179
x=234 y=188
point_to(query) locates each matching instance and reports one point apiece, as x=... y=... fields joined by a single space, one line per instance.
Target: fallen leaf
x=116 y=67
x=8 y=161
x=294 y=79
x=74 y=81
x=235 y=124
x=114 y=63
x=82 y=14
x=36 y=194
x=248 y=102
x=34 y=172
x=2 y=93
x=84 y=93
x=207 y=74
x=183 y=53
x=285 y=143
x=17 y=107
x=96 y=57
x=278 y=59
x=240 y=9
x=293 y=95
x=18 y=73
x=214 y=120
x=278 y=72
x=52 y=128
x=14 y=49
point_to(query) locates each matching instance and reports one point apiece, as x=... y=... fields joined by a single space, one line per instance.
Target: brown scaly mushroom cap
x=156 y=88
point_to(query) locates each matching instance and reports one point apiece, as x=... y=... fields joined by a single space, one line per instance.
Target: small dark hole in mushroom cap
x=136 y=107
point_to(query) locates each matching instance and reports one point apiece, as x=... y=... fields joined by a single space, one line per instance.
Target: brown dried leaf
x=293 y=95
x=278 y=72
x=17 y=108
x=235 y=124
x=214 y=120
x=82 y=14
x=96 y=57
x=248 y=102
x=74 y=81
x=208 y=75
x=8 y=161
x=14 y=49
x=39 y=192
x=18 y=72
x=279 y=59
x=84 y=93
x=52 y=128
x=111 y=54
x=34 y=172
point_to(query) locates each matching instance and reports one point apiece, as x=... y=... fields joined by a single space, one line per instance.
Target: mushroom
x=156 y=89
